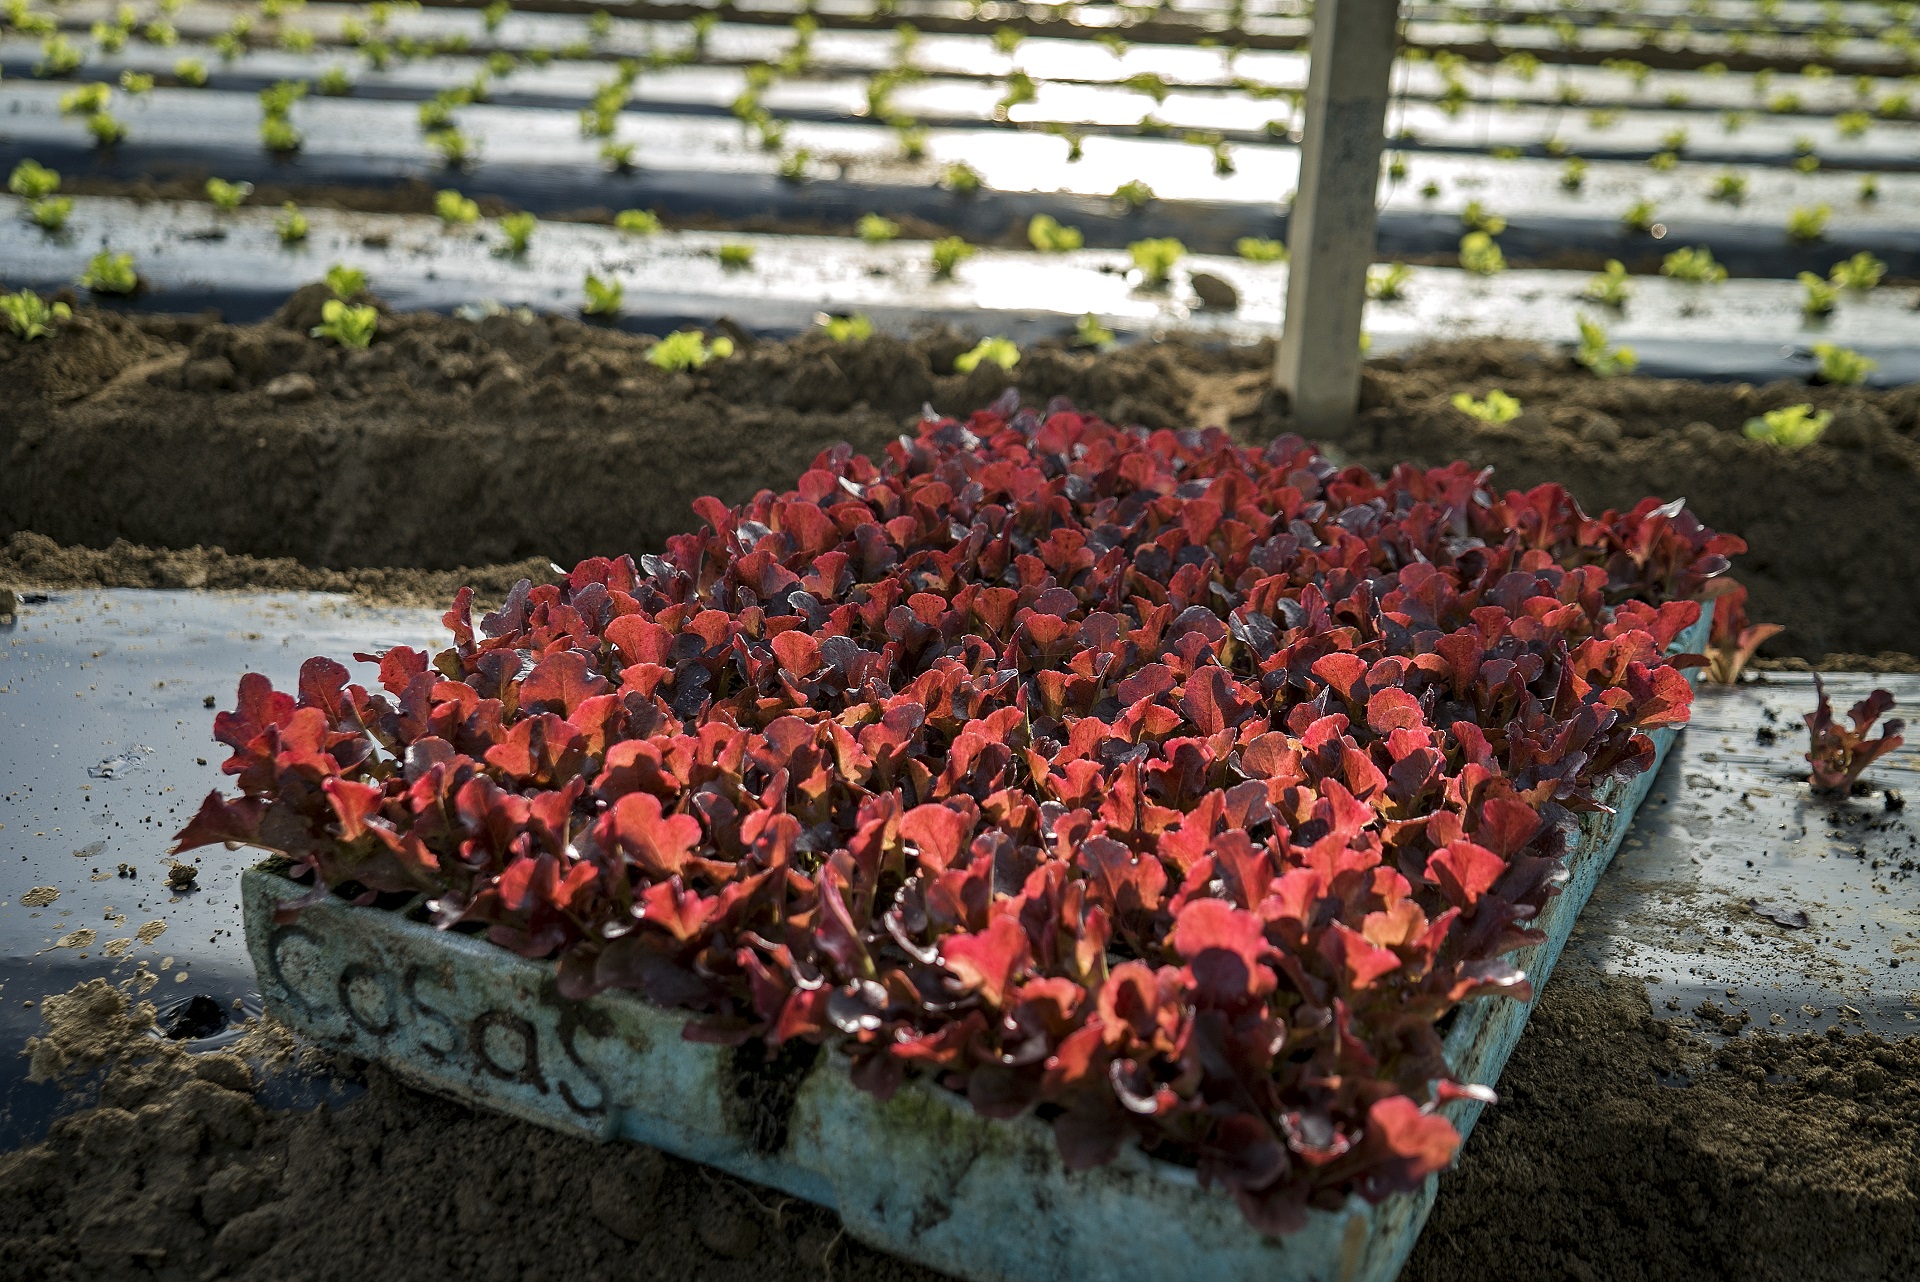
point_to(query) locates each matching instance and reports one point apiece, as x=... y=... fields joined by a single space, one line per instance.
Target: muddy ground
x=1624 y=1150
x=452 y=443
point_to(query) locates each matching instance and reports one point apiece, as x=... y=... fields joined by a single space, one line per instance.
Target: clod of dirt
x=182 y=876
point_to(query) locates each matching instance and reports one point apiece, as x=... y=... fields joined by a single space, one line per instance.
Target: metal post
x=1330 y=240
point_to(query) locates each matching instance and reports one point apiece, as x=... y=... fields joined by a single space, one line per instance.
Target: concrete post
x=1330 y=239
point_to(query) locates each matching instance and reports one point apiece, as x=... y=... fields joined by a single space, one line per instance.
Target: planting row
x=1180 y=789
x=187 y=256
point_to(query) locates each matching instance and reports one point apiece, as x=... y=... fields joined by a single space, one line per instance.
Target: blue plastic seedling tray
x=921 y=1175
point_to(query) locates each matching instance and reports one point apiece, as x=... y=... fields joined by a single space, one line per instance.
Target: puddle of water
x=88 y=678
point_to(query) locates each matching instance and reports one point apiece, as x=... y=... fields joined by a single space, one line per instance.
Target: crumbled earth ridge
x=457 y=443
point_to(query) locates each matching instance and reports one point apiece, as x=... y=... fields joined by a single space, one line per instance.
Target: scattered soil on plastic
x=1777 y=1159
x=453 y=443
x=1625 y=1150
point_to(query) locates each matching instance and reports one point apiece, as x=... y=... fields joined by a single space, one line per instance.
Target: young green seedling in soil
x=29 y=316
x=455 y=210
x=960 y=179
x=687 y=349
x=88 y=100
x=278 y=135
x=1639 y=216
x=518 y=229
x=457 y=150
x=793 y=166
x=996 y=351
x=1155 y=257
x=1852 y=124
x=1820 y=296
x=31 y=180
x=847 y=329
x=347 y=283
x=1791 y=427
x=1497 y=408
x=1693 y=263
x=618 y=156
x=110 y=273
x=51 y=213
x=1020 y=91
x=948 y=253
x=1609 y=288
x=291 y=225
x=136 y=83
x=1808 y=222
x=226 y=196
x=1861 y=272
x=348 y=324
x=876 y=230
x=191 y=72
x=1477 y=217
x=1089 y=332
x=1574 y=175
x=1843 y=366
x=1480 y=254
x=1869 y=188
x=58 y=57
x=1048 y=236
x=736 y=257
x=1389 y=283
x=1594 y=353
x=1729 y=188
x=334 y=82
x=1133 y=194
x=639 y=222
x=603 y=296
x=106 y=129
x=1259 y=249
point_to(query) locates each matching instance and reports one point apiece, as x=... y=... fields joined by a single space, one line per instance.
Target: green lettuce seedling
x=455 y=210
x=1388 y=283
x=51 y=214
x=227 y=196
x=110 y=273
x=876 y=230
x=1820 y=297
x=1089 y=332
x=1693 y=263
x=1862 y=272
x=1480 y=254
x=348 y=324
x=996 y=351
x=32 y=180
x=1133 y=194
x=736 y=257
x=190 y=72
x=1842 y=365
x=278 y=135
x=640 y=222
x=1477 y=217
x=518 y=229
x=687 y=349
x=1594 y=353
x=948 y=253
x=1573 y=176
x=346 y=282
x=1258 y=249
x=1155 y=257
x=1791 y=427
x=1639 y=216
x=1808 y=222
x=29 y=316
x=87 y=100
x=603 y=296
x=847 y=329
x=961 y=178
x=1609 y=288
x=1048 y=236
x=136 y=83
x=106 y=129
x=1730 y=188
x=1497 y=408
x=291 y=225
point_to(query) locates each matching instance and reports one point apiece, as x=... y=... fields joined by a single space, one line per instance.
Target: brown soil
x=452 y=443
x=1781 y=1158
x=1624 y=1150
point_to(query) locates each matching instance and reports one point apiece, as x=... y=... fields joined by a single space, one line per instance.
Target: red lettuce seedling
x=1734 y=640
x=1840 y=755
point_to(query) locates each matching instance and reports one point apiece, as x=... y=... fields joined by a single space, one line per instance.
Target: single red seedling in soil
x=1177 y=788
x=1840 y=755
x=1734 y=640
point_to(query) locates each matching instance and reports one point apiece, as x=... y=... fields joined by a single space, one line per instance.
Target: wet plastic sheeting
x=105 y=750
x=1732 y=853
